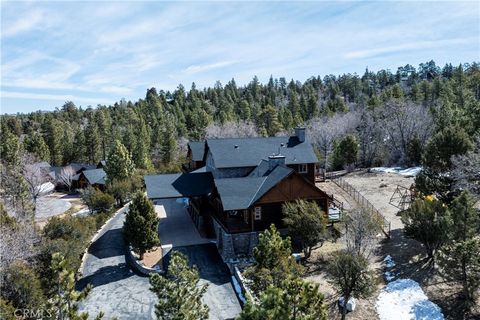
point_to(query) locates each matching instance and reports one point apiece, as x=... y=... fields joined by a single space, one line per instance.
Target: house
x=82 y=175
x=242 y=187
x=93 y=177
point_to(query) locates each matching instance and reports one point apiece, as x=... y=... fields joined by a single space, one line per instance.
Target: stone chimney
x=275 y=160
x=300 y=134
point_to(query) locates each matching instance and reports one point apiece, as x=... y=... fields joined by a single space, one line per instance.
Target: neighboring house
x=84 y=175
x=94 y=177
x=195 y=155
x=240 y=191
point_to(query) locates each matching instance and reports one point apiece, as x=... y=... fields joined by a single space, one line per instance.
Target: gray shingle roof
x=198 y=150
x=241 y=193
x=95 y=176
x=178 y=185
x=247 y=152
x=160 y=186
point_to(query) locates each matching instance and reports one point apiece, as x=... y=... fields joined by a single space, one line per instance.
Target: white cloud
x=54 y=97
x=27 y=21
x=207 y=67
x=407 y=46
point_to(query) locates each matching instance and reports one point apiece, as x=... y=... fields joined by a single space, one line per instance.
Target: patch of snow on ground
x=389 y=263
x=409 y=172
x=238 y=290
x=389 y=276
x=405 y=299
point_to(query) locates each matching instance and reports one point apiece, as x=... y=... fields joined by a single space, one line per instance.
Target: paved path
x=220 y=296
x=176 y=228
x=119 y=292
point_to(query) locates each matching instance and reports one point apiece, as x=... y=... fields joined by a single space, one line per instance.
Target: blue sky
x=99 y=52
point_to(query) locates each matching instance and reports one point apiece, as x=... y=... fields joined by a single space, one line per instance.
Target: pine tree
x=119 y=163
x=350 y=276
x=459 y=259
x=64 y=303
x=9 y=146
x=269 y=120
x=168 y=144
x=273 y=261
x=92 y=142
x=297 y=300
x=427 y=221
x=36 y=145
x=53 y=138
x=141 y=151
x=306 y=222
x=141 y=224
x=179 y=293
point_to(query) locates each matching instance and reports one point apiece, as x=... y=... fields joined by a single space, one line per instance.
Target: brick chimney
x=274 y=160
x=300 y=134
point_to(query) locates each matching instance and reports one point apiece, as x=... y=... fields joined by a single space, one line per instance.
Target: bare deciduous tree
x=361 y=229
x=240 y=129
x=66 y=177
x=466 y=172
x=34 y=176
x=323 y=131
x=402 y=122
x=17 y=243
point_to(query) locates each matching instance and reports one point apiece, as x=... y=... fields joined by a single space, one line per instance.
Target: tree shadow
x=110 y=244
x=105 y=275
x=409 y=256
x=206 y=259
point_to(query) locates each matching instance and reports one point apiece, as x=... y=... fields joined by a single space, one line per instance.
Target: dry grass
x=408 y=254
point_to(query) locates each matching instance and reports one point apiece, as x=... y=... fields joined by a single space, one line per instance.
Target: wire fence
x=360 y=199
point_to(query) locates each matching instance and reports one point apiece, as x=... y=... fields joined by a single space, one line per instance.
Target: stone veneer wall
x=232 y=246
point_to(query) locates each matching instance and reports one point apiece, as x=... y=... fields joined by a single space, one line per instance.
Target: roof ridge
x=259 y=188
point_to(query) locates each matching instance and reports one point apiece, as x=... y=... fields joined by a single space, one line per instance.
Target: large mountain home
x=240 y=190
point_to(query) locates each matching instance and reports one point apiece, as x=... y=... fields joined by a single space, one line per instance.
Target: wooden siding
x=292 y=188
x=309 y=175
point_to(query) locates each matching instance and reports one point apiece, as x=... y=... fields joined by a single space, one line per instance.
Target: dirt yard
x=408 y=254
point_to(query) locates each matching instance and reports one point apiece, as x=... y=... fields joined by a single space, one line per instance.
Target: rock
x=351 y=304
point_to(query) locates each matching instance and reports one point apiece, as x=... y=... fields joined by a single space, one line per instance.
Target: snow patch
x=389 y=263
x=389 y=276
x=404 y=299
x=238 y=290
x=409 y=172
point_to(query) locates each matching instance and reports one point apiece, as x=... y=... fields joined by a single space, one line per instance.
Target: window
x=258 y=213
x=302 y=168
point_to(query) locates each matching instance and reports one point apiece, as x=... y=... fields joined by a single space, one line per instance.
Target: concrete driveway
x=176 y=228
x=119 y=292
x=220 y=296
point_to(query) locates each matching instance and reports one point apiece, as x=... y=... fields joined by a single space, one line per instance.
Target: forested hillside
x=388 y=116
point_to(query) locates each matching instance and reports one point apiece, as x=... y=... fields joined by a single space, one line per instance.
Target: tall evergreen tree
x=92 y=142
x=179 y=293
x=274 y=262
x=36 y=145
x=459 y=259
x=53 y=138
x=64 y=303
x=119 y=163
x=296 y=299
x=141 y=224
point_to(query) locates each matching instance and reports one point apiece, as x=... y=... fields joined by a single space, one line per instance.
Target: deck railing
x=360 y=199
